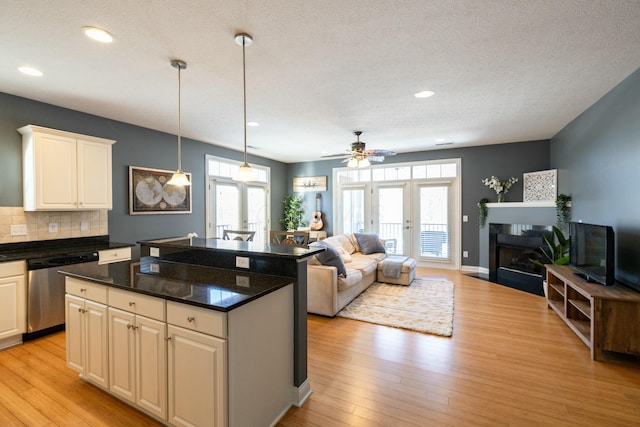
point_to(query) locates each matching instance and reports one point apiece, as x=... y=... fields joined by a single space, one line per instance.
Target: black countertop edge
x=41 y=248
x=236 y=246
x=169 y=281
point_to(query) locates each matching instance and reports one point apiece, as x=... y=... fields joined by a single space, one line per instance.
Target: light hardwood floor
x=511 y=361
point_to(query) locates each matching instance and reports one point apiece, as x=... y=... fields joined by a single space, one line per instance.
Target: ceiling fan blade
x=348 y=154
x=375 y=158
x=382 y=153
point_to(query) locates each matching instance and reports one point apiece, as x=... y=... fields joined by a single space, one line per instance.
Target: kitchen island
x=221 y=341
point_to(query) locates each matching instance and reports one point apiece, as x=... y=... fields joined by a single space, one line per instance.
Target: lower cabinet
x=183 y=364
x=13 y=303
x=138 y=361
x=87 y=329
x=197 y=380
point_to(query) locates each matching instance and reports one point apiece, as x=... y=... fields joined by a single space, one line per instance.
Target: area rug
x=424 y=306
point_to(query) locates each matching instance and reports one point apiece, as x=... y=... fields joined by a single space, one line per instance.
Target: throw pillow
x=331 y=257
x=346 y=256
x=369 y=243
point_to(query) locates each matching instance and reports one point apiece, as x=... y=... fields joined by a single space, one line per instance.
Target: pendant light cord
x=244 y=94
x=179 y=120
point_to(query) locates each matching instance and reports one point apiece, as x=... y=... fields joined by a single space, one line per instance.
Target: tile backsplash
x=69 y=224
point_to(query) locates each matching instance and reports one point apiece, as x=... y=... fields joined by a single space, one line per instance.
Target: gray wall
x=503 y=160
x=135 y=146
x=598 y=158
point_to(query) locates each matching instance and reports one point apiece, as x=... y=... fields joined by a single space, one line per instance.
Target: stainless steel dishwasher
x=45 y=291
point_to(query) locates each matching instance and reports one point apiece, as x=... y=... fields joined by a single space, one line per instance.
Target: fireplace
x=512 y=247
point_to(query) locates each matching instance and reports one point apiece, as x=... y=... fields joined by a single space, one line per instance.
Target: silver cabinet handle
x=132 y=303
x=83 y=289
x=191 y=319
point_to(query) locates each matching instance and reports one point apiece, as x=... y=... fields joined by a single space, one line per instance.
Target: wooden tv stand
x=605 y=318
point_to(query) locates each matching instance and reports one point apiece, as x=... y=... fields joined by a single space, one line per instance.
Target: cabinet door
x=122 y=354
x=12 y=306
x=97 y=343
x=94 y=175
x=197 y=378
x=55 y=172
x=75 y=331
x=151 y=366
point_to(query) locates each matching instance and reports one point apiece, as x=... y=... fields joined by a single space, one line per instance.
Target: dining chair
x=238 y=235
x=289 y=238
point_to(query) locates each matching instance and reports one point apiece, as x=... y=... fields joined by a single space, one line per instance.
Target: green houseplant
x=483 y=211
x=556 y=252
x=292 y=213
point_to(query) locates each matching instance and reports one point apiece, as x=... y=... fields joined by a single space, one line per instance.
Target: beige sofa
x=327 y=292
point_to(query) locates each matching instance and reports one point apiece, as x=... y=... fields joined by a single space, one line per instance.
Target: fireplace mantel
x=547 y=204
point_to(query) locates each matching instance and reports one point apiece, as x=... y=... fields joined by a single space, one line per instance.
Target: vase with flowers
x=501 y=188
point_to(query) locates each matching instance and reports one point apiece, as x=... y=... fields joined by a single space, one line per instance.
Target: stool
x=407 y=274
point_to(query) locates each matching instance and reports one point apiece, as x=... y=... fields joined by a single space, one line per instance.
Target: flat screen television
x=592 y=252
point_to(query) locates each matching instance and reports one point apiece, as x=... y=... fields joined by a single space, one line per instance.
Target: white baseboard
x=302 y=393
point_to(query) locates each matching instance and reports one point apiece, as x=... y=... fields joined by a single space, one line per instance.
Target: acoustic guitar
x=316 y=220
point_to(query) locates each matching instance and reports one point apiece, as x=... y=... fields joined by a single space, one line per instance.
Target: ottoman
x=407 y=271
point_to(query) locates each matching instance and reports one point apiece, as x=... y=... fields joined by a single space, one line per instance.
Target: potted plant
x=556 y=252
x=483 y=211
x=292 y=213
x=563 y=211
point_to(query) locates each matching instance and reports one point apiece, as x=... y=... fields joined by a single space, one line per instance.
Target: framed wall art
x=540 y=186
x=309 y=183
x=149 y=192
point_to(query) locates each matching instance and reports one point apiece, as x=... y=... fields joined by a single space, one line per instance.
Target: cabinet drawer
x=197 y=319
x=133 y=302
x=114 y=255
x=13 y=268
x=88 y=290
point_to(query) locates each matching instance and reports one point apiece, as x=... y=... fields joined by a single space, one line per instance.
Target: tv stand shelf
x=605 y=318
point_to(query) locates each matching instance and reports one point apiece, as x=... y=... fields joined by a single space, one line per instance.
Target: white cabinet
x=108 y=256
x=196 y=366
x=64 y=170
x=87 y=329
x=13 y=303
x=138 y=350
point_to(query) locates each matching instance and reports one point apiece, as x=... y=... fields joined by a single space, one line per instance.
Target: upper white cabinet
x=64 y=170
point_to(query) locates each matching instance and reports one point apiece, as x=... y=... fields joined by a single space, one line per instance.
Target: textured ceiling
x=502 y=71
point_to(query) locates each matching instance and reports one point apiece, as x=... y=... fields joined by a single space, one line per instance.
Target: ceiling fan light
x=245 y=173
x=364 y=163
x=353 y=163
x=179 y=179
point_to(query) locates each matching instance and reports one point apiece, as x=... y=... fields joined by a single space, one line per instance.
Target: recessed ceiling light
x=253 y=124
x=30 y=71
x=98 y=34
x=424 y=94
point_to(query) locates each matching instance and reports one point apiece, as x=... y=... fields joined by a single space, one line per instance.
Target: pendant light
x=245 y=172
x=179 y=178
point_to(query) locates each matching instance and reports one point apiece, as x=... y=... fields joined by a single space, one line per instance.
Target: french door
x=416 y=214
x=237 y=206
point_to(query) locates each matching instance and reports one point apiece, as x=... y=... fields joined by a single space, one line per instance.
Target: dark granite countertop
x=236 y=246
x=44 y=248
x=212 y=288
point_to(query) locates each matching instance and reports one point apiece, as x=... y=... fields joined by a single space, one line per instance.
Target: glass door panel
x=257 y=212
x=353 y=210
x=227 y=208
x=391 y=213
x=435 y=217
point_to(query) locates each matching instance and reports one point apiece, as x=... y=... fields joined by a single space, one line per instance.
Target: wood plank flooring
x=511 y=361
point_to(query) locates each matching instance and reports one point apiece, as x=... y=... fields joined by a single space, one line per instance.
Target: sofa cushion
x=363 y=264
x=369 y=243
x=353 y=277
x=346 y=256
x=331 y=257
x=341 y=240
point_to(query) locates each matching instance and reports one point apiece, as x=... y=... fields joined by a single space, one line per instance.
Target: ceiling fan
x=359 y=157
